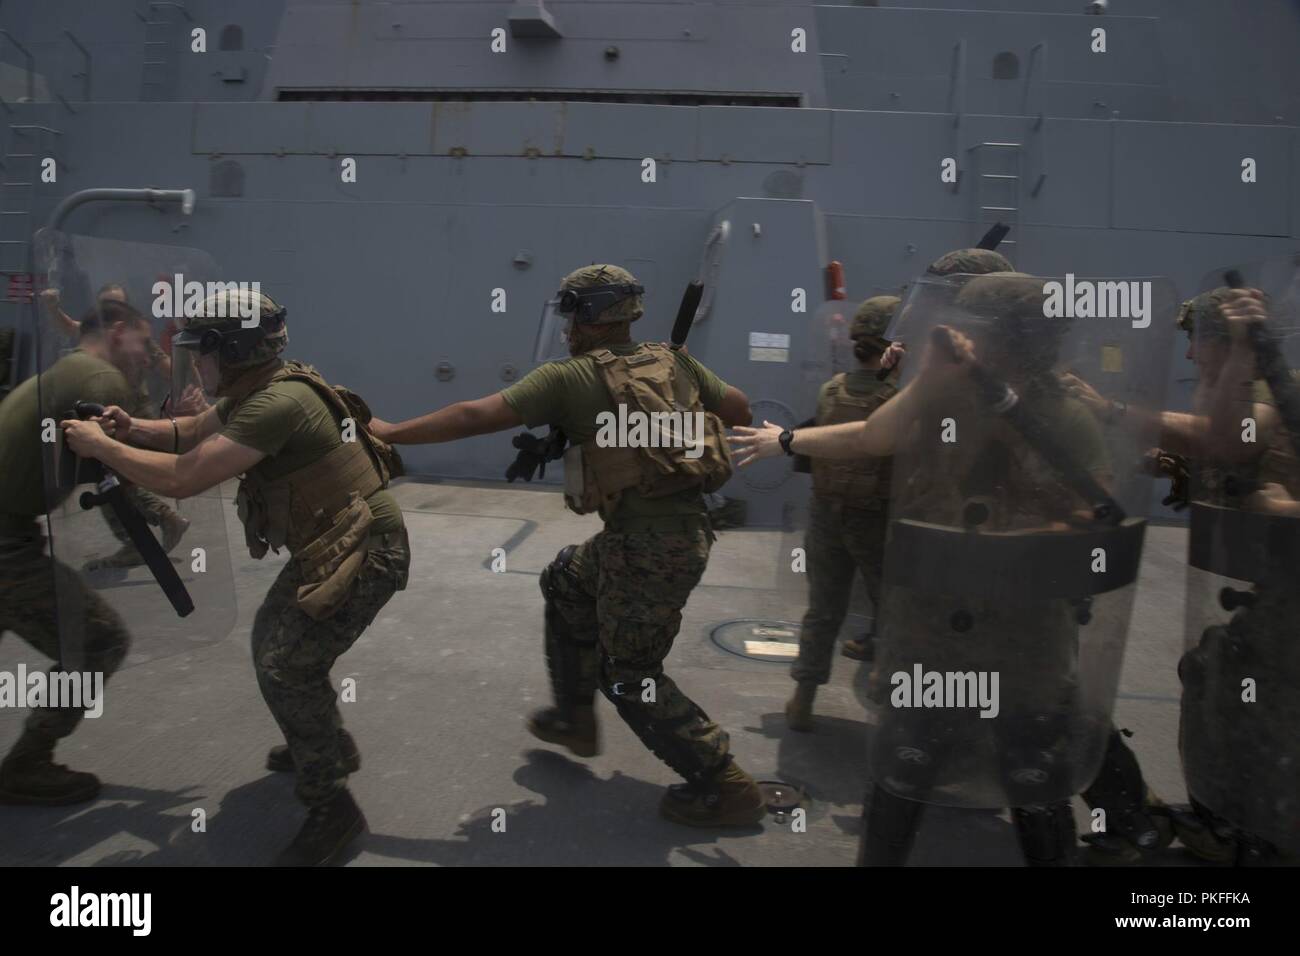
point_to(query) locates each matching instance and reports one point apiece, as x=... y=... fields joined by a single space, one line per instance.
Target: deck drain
x=781 y=798
x=773 y=641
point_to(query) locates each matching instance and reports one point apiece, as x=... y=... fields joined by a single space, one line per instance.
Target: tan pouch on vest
x=332 y=562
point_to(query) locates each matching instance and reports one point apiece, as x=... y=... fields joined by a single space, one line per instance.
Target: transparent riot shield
x=830 y=350
x=1240 y=728
x=1016 y=528
x=162 y=564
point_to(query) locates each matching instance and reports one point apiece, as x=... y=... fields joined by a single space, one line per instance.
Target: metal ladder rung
x=997 y=176
x=1002 y=145
x=999 y=208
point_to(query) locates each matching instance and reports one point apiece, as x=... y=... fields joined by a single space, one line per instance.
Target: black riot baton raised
x=993 y=238
x=686 y=314
x=1271 y=364
x=1004 y=402
x=109 y=490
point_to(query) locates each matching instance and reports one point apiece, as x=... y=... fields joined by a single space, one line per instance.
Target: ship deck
x=444 y=678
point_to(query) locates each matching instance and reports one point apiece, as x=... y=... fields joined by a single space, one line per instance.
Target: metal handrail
x=31 y=65
x=85 y=53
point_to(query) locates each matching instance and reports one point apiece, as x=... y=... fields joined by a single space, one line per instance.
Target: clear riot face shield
x=552 y=333
x=1240 y=729
x=1016 y=528
x=830 y=348
x=162 y=564
x=584 y=306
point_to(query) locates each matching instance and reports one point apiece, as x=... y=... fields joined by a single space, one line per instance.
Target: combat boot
x=29 y=776
x=1131 y=835
x=859 y=648
x=127 y=556
x=573 y=727
x=330 y=827
x=280 y=760
x=731 y=514
x=1204 y=836
x=173 y=529
x=799 y=708
x=730 y=799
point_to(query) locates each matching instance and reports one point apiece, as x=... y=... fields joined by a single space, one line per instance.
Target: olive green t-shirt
x=293 y=426
x=569 y=394
x=992 y=458
x=1263 y=394
x=77 y=376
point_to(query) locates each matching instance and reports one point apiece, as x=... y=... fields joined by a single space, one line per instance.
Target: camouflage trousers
x=30 y=602
x=840 y=541
x=293 y=654
x=1046 y=733
x=620 y=600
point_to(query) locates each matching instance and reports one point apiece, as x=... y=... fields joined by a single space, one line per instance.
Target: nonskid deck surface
x=444 y=678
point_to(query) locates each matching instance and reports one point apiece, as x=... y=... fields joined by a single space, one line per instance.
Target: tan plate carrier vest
x=859 y=481
x=319 y=512
x=648 y=381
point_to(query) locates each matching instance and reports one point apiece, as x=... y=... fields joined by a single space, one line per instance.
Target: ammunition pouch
x=332 y=562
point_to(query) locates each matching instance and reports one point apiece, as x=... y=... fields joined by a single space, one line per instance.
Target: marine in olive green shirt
x=290 y=424
x=570 y=394
x=77 y=376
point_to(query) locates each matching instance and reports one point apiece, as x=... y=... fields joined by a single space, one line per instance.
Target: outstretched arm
x=483 y=416
x=878 y=435
x=212 y=461
x=158 y=433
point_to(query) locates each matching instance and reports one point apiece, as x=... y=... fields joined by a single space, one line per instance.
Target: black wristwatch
x=786 y=437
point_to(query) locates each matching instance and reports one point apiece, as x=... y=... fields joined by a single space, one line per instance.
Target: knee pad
x=557 y=578
x=560 y=584
x=564 y=647
x=1032 y=753
x=911 y=751
x=1046 y=832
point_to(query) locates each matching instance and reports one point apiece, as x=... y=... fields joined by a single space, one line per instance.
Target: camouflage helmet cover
x=1202 y=316
x=226 y=308
x=872 y=318
x=1013 y=305
x=1003 y=294
x=626 y=310
x=970 y=262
